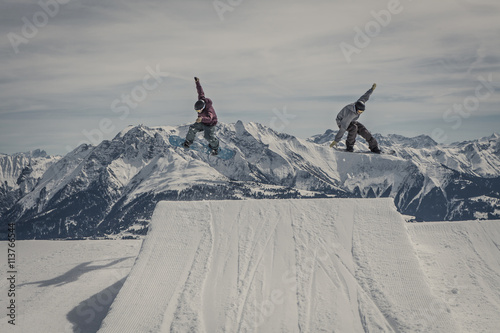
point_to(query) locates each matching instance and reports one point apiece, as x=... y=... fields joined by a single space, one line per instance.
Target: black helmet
x=360 y=105
x=199 y=105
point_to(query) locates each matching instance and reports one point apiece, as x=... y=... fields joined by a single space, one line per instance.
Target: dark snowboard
x=224 y=153
x=383 y=151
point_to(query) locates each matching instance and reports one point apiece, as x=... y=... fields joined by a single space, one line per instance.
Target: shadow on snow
x=74 y=274
x=87 y=316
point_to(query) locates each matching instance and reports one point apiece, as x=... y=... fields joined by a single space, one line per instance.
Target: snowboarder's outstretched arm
x=207 y=116
x=348 y=114
x=367 y=94
x=199 y=89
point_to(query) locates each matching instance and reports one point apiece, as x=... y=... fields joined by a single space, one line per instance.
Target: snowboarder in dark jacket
x=347 y=120
x=206 y=121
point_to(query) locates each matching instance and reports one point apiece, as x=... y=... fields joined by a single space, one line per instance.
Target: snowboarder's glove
x=196 y=79
x=198 y=120
x=333 y=144
x=374 y=86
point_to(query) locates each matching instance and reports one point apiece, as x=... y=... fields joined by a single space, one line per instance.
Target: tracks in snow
x=277 y=266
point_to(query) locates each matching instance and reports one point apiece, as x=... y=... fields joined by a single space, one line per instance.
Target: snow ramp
x=462 y=262
x=333 y=265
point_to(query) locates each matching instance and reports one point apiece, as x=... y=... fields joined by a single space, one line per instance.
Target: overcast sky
x=76 y=70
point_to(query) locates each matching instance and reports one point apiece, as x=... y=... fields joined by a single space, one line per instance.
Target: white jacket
x=349 y=114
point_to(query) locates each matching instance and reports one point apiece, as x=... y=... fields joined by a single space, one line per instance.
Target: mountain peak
x=493 y=137
x=420 y=141
x=109 y=188
x=133 y=131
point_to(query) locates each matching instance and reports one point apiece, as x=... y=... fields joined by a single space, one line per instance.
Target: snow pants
x=209 y=134
x=356 y=128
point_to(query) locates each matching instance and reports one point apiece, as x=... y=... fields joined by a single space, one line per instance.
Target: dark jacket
x=208 y=115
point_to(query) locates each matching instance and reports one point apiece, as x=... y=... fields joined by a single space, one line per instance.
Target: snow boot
x=376 y=150
x=349 y=149
x=186 y=144
x=214 y=151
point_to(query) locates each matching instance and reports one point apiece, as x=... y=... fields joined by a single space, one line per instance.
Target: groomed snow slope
x=63 y=286
x=343 y=265
x=462 y=263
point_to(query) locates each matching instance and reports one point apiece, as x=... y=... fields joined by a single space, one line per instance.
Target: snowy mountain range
x=19 y=174
x=113 y=188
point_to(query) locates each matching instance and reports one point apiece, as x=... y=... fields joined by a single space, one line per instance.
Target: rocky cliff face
x=19 y=174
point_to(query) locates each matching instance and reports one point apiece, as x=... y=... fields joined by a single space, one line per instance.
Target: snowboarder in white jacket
x=347 y=120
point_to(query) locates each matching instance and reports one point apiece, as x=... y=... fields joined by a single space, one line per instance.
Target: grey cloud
x=263 y=55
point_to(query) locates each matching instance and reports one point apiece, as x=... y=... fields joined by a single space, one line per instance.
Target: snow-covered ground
x=64 y=286
x=344 y=265
x=462 y=264
x=333 y=265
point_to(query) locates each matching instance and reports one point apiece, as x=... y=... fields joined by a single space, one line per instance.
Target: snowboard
x=224 y=153
x=383 y=152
